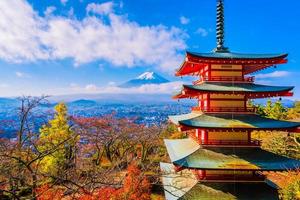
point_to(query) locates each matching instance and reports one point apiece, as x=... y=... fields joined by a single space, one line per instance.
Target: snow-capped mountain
x=144 y=79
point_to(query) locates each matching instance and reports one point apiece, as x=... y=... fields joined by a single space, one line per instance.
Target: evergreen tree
x=268 y=108
x=278 y=111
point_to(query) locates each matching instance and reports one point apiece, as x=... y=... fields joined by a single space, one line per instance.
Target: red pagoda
x=219 y=159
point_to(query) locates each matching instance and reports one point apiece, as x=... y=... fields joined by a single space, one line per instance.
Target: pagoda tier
x=231 y=191
x=215 y=158
x=197 y=63
x=184 y=185
x=231 y=121
x=248 y=90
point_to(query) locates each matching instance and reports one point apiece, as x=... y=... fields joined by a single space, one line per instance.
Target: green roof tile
x=243 y=158
x=231 y=55
x=228 y=120
x=226 y=158
x=231 y=191
x=184 y=185
x=237 y=87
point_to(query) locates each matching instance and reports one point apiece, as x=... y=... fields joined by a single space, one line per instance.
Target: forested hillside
x=107 y=157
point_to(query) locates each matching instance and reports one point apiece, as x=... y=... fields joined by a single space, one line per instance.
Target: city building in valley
x=219 y=159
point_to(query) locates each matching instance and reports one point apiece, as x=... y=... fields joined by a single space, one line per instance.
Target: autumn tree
x=135 y=186
x=294 y=112
x=104 y=138
x=282 y=143
x=273 y=110
x=58 y=134
x=20 y=157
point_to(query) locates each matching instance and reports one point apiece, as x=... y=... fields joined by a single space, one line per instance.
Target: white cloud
x=184 y=20
x=165 y=88
x=111 y=83
x=202 y=31
x=101 y=9
x=4 y=85
x=72 y=85
x=49 y=10
x=63 y=2
x=26 y=36
x=19 y=32
x=22 y=75
x=275 y=74
x=91 y=87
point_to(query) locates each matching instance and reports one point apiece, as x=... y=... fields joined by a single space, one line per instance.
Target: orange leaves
x=47 y=193
x=135 y=187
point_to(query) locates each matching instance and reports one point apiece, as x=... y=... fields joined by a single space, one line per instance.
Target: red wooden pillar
x=204 y=137
x=201 y=174
x=208 y=101
x=209 y=72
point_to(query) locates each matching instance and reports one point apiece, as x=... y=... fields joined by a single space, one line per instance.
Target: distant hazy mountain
x=144 y=79
x=82 y=102
x=285 y=102
x=8 y=100
x=112 y=98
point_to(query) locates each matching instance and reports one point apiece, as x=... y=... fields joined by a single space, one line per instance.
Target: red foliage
x=86 y=197
x=107 y=193
x=135 y=187
x=45 y=192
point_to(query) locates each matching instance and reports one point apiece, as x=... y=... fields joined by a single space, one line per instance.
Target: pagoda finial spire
x=220 y=28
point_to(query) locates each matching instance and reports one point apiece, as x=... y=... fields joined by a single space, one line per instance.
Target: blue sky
x=86 y=46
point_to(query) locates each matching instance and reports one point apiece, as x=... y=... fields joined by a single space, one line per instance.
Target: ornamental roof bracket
x=220 y=33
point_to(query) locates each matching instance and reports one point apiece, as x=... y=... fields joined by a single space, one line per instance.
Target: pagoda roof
x=194 y=62
x=176 y=184
x=237 y=88
x=231 y=191
x=183 y=185
x=228 y=158
x=231 y=121
x=231 y=55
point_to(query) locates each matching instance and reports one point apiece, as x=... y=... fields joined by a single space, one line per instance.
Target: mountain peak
x=144 y=79
x=147 y=76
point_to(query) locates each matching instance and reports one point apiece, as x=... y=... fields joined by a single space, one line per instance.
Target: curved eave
x=229 y=121
x=191 y=127
x=279 y=169
x=191 y=189
x=194 y=62
x=231 y=191
x=258 y=91
x=245 y=88
x=187 y=154
x=236 y=158
x=238 y=56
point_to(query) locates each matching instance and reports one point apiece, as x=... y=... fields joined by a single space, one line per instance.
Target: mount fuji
x=144 y=79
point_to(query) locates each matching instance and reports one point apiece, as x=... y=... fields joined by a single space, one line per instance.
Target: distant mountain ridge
x=285 y=102
x=144 y=79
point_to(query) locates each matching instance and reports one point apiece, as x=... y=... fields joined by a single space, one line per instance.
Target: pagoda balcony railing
x=249 y=79
x=225 y=109
x=255 y=143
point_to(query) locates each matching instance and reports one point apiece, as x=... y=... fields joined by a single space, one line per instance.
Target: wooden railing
x=231 y=142
x=225 y=109
x=249 y=79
